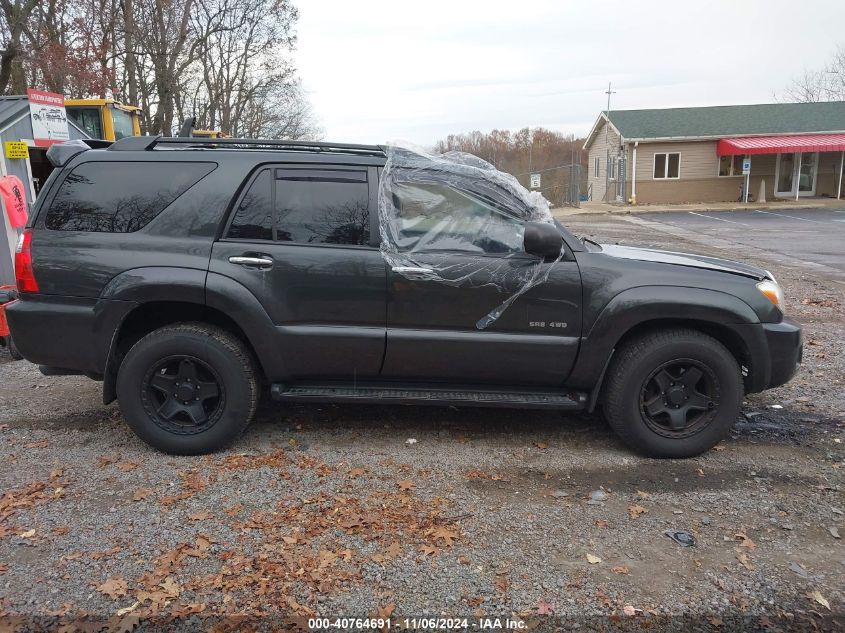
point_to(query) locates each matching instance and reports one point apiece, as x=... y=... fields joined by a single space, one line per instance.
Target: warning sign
x=16 y=149
x=48 y=116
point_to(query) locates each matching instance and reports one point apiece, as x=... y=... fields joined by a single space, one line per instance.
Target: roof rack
x=141 y=143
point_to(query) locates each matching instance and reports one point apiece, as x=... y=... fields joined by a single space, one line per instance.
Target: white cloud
x=378 y=69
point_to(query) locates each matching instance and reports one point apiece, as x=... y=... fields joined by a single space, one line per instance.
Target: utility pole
x=607 y=145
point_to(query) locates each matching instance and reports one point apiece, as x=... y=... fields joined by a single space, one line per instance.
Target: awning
x=781 y=144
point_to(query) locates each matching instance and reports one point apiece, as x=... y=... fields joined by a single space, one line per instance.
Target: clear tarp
x=455 y=219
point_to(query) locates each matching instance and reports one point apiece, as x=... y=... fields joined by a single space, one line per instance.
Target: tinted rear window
x=120 y=197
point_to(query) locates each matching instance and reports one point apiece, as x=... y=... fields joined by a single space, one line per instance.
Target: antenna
x=608 y=92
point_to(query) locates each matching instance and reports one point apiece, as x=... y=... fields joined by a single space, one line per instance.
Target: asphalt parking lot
x=331 y=511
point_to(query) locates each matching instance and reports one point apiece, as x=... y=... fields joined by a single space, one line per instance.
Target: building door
x=796 y=171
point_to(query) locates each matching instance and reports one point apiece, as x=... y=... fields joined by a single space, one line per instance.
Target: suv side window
x=329 y=205
x=120 y=197
x=436 y=217
x=322 y=206
x=254 y=218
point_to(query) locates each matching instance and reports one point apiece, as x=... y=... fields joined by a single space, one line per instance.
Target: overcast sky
x=380 y=70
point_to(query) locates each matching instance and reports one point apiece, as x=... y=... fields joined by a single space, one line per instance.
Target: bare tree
x=825 y=84
x=14 y=16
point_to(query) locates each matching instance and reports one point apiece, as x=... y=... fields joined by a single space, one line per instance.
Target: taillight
x=24 y=274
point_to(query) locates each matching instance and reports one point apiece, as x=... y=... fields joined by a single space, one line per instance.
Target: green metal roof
x=736 y=120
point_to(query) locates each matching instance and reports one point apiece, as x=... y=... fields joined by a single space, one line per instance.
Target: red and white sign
x=48 y=116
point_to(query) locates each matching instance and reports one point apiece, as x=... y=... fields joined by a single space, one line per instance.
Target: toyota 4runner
x=191 y=275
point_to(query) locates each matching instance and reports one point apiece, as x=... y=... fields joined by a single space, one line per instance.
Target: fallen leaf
x=745 y=561
x=113 y=588
x=544 y=608
x=234 y=510
x=290 y=540
x=834 y=532
x=356 y=472
x=142 y=493
x=127 y=624
x=3 y=569
x=642 y=494
x=636 y=510
x=28 y=533
x=405 y=484
x=126 y=466
x=201 y=516
x=386 y=611
x=429 y=550
x=60 y=531
x=620 y=569
x=446 y=534
x=593 y=559
x=128 y=609
x=818 y=597
x=170 y=587
x=541 y=445
x=102 y=462
x=745 y=541
x=630 y=610
x=601 y=523
x=41 y=444
x=502 y=583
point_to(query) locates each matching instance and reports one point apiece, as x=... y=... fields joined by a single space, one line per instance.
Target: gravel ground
x=358 y=511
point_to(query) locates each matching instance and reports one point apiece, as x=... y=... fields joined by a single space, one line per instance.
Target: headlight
x=772 y=291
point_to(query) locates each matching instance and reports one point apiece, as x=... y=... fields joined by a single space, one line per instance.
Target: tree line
x=526 y=151
x=226 y=62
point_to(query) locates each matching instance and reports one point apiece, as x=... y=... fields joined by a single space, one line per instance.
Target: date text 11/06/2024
x=380 y=624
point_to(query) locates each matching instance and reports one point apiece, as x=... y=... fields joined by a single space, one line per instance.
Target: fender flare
x=635 y=306
x=134 y=288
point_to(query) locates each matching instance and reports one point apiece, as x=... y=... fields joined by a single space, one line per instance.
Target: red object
x=4 y=324
x=781 y=144
x=24 y=272
x=14 y=198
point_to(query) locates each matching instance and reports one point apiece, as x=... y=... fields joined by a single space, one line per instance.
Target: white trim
x=596 y=167
x=732 y=174
x=18 y=120
x=665 y=166
x=594 y=130
x=612 y=167
x=634 y=174
x=681 y=139
x=795 y=191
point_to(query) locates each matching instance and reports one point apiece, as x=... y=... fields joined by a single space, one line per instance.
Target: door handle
x=412 y=270
x=258 y=262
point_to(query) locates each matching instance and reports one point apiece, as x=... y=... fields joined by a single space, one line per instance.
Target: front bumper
x=785 y=341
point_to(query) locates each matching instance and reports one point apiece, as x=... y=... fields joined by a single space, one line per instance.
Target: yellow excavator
x=104 y=119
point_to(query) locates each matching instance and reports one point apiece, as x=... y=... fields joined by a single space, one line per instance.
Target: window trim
x=732 y=174
x=612 y=167
x=253 y=175
x=666 y=175
x=596 y=167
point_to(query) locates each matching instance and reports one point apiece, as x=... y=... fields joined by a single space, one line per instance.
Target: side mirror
x=542 y=239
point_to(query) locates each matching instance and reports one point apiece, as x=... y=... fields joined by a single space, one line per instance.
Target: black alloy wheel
x=183 y=395
x=679 y=398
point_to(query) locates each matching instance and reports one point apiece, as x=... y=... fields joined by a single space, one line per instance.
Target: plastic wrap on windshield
x=455 y=219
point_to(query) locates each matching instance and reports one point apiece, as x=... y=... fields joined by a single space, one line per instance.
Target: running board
x=439 y=396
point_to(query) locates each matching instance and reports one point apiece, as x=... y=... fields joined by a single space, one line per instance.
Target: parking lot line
x=783 y=215
x=719 y=219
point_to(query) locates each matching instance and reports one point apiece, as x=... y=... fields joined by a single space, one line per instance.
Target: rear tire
x=188 y=389
x=13 y=349
x=672 y=393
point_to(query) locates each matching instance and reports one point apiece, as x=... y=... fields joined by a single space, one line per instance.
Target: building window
x=596 y=166
x=667 y=165
x=730 y=165
x=611 y=167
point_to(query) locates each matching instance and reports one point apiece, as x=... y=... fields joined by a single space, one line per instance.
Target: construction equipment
x=104 y=119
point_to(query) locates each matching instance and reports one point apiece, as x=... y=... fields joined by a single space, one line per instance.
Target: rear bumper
x=67 y=332
x=785 y=341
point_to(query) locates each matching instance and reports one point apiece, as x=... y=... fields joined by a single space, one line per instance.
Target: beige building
x=679 y=155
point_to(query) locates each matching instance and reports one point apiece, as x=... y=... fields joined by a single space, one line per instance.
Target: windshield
x=122 y=124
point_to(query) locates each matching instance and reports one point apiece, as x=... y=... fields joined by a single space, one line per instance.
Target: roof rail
x=134 y=143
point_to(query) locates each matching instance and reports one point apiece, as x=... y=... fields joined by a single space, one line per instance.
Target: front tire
x=188 y=389
x=672 y=393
